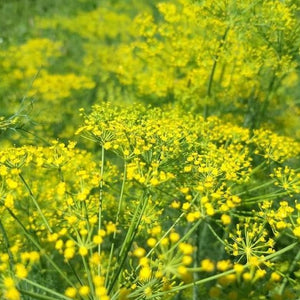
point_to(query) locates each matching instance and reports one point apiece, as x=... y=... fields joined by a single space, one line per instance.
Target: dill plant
x=237 y=59
x=195 y=195
x=147 y=217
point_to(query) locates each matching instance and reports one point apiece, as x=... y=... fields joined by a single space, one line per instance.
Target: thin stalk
x=215 y=234
x=210 y=278
x=75 y=273
x=265 y=104
x=36 y=244
x=213 y=70
x=7 y=246
x=33 y=134
x=35 y=203
x=36 y=296
x=89 y=276
x=117 y=220
x=290 y=270
x=131 y=233
x=100 y=201
x=279 y=252
x=132 y=225
x=115 y=296
x=169 y=230
x=46 y=289
x=257 y=168
x=190 y=231
x=200 y=233
x=165 y=234
x=267 y=196
x=189 y=285
x=257 y=187
x=162 y=237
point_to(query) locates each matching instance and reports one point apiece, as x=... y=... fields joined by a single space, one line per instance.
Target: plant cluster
x=182 y=182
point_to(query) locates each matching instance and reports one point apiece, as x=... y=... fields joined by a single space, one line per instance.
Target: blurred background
x=236 y=60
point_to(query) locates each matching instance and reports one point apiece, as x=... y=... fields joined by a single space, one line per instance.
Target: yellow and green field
x=149 y=149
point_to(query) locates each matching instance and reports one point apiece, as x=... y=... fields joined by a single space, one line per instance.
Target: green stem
x=37 y=245
x=263 y=108
x=169 y=230
x=257 y=168
x=7 y=246
x=117 y=220
x=290 y=270
x=75 y=273
x=35 y=203
x=207 y=279
x=35 y=135
x=165 y=234
x=131 y=233
x=46 y=289
x=89 y=276
x=215 y=234
x=200 y=234
x=187 y=235
x=257 y=188
x=213 y=70
x=162 y=237
x=267 y=196
x=100 y=201
x=36 y=296
x=189 y=285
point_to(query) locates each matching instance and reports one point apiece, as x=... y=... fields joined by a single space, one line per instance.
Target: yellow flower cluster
x=274 y=147
x=180 y=183
x=51 y=87
x=155 y=164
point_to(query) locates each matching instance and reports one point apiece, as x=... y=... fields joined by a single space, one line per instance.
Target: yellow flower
x=186 y=206
x=223 y=265
x=156 y=230
x=61 y=188
x=3 y=170
x=11 y=183
x=296 y=231
x=226 y=220
x=8 y=282
x=247 y=276
x=182 y=270
x=111 y=228
x=101 y=291
x=12 y=294
x=187 y=260
x=174 y=237
x=59 y=244
x=238 y=268
x=84 y=290
x=97 y=239
x=145 y=274
x=207 y=265
x=21 y=271
x=71 y=292
x=151 y=242
x=98 y=280
x=139 y=252
x=83 y=251
x=275 y=277
x=186 y=248
x=95 y=259
x=175 y=204
x=190 y=217
x=69 y=253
